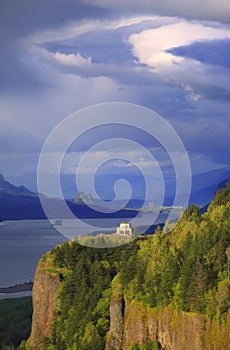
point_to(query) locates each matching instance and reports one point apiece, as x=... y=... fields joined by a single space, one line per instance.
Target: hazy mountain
x=224 y=184
x=19 y=203
x=83 y=198
x=6 y=186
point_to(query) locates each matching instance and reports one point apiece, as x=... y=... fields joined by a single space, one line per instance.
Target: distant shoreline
x=17 y=288
x=5 y=296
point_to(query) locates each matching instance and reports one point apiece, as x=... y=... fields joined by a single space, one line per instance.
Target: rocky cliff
x=104 y=296
x=130 y=321
x=46 y=284
x=174 y=330
x=115 y=335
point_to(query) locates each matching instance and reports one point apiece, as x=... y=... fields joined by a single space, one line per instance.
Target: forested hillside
x=15 y=321
x=187 y=269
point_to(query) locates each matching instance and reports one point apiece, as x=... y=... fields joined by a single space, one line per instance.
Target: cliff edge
x=167 y=291
x=46 y=284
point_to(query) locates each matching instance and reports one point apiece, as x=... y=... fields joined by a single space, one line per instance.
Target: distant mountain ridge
x=19 y=203
x=7 y=186
x=83 y=198
x=223 y=184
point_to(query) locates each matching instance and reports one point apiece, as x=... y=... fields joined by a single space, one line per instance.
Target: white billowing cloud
x=60 y=59
x=72 y=59
x=150 y=48
x=150 y=45
x=206 y=9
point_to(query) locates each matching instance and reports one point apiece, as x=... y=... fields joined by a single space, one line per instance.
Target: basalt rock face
x=174 y=330
x=130 y=325
x=115 y=336
x=45 y=287
x=130 y=322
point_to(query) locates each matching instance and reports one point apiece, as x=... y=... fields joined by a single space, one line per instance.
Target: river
x=22 y=244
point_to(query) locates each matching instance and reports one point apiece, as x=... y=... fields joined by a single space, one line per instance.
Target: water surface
x=22 y=243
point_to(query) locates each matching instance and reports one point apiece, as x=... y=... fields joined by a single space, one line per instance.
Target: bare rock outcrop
x=115 y=335
x=45 y=287
x=131 y=322
x=173 y=329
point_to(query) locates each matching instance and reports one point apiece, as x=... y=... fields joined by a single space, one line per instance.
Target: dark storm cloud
x=21 y=18
x=18 y=18
x=213 y=52
x=195 y=9
x=194 y=100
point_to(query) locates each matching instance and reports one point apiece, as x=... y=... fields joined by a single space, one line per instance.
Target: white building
x=125 y=229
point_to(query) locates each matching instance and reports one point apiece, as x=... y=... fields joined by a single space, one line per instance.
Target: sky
x=58 y=56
